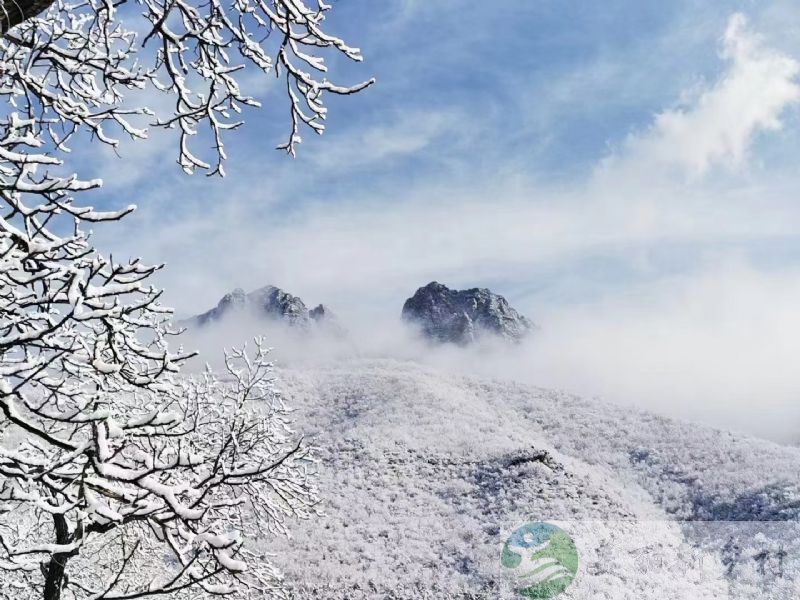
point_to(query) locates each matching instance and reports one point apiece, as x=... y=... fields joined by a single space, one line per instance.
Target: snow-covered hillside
x=424 y=475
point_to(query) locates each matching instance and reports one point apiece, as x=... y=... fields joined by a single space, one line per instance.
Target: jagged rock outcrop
x=272 y=303
x=320 y=313
x=326 y=320
x=464 y=316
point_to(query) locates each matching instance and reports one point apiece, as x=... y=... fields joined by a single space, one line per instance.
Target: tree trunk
x=14 y=12
x=56 y=574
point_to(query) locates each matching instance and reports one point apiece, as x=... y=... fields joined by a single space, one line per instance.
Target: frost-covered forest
x=425 y=474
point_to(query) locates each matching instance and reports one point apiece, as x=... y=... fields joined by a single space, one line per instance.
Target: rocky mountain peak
x=464 y=316
x=273 y=302
x=269 y=302
x=327 y=320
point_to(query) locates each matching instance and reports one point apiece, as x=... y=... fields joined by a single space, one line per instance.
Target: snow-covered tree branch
x=119 y=478
x=147 y=489
x=83 y=65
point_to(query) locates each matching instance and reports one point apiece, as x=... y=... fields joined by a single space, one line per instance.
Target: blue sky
x=618 y=170
x=504 y=100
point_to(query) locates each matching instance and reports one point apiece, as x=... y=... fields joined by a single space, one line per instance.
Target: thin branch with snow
x=151 y=490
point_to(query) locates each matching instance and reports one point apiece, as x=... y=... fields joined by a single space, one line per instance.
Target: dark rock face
x=268 y=302
x=321 y=313
x=275 y=303
x=326 y=320
x=464 y=316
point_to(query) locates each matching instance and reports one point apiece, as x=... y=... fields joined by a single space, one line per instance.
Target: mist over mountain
x=432 y=449
x=659 y=352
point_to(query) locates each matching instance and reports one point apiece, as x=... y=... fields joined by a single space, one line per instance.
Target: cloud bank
x=716 y=124
x=717 y=346
x=664 y=277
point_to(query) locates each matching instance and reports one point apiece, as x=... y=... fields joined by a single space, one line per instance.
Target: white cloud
x=368 y=251
x=717 y=125
x=717 y=345
x=405 y=134
x=723 y=335
x=473 y=229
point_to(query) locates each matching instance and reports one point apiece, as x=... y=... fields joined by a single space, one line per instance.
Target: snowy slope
x=425 y=474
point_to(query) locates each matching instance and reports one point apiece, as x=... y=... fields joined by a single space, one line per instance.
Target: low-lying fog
x=704 y=348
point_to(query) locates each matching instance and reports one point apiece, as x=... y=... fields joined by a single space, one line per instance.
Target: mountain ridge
x=269 y=302
x=424 y=473
x=442 y=315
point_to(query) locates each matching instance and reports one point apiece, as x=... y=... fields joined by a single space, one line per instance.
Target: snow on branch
x=97 y=67
x=120 y=479
x=153 y=491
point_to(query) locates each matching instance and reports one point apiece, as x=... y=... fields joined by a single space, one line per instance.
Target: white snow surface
x=424 y=475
